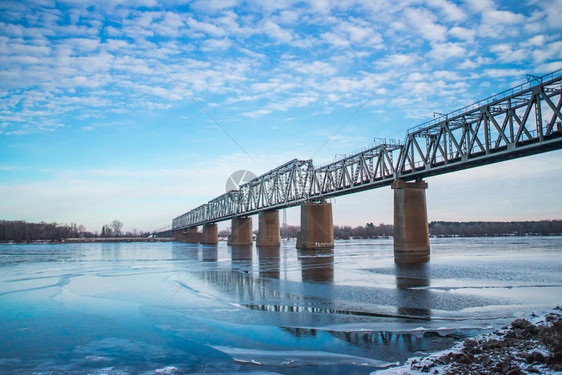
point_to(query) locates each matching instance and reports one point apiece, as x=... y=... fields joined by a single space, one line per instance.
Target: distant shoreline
x=171 y=239
x=93 y=240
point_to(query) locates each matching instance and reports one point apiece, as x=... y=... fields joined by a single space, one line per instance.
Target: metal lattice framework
x=284 y=186
x=522 y=121
x=360 y=171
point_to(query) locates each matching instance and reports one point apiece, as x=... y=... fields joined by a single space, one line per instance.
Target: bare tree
x=106 y=231
x=116 y=225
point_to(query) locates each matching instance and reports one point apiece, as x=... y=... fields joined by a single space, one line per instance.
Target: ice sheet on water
x=226 y=372
x=167 y=370
x=298 y=358
x=442 y=328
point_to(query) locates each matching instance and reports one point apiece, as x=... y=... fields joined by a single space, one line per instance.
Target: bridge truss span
x=515 y=124
x=522 y=121
x=365 y=170
x=284 y=186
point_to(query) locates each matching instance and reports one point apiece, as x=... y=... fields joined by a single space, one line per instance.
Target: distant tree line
x=346 y=232
x=368 y=231
x=448 y=229
x=290 y=231
x=21 y=231
x=495 y=228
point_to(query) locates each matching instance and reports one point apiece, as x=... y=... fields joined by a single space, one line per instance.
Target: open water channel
x=167 y=308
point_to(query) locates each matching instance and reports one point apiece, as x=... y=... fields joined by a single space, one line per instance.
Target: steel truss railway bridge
x=524 y=120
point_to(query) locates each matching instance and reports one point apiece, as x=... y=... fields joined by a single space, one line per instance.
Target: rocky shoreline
x=532 y=345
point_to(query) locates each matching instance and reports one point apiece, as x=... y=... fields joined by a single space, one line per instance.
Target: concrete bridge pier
x=269 y=231
x=411 y=231
x=189 y=235
x=192 y=235
x=210 y=234
x=241 y=231
x=178 y=235
x=317 y=228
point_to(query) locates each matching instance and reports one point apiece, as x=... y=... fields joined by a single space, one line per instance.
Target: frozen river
x=167 y=308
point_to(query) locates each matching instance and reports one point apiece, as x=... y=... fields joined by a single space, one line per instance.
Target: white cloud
x=297 y=101
x=444 y=51
x=473 y=64
x=549 y=67
x=207 y=28
x=216 y=44
x=289 y=17
x=506 y=53
x=335 y=40
x=502 y=73
x=273 y=85
x=358 y=33
x=550 y=51
x=553 y=11
x=276 y=32
x=450 y=10
x=425 y=22
x=256 y=113
x=481 y=5
x=316 y=67
x=500 y=23
x=212 y=6
x=396 y=60
x=463 y=33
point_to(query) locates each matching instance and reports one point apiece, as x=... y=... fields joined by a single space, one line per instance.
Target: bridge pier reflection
x=317 y=265
x=242 y=257
x=269 y=261
x=209 y=253
x=409 y=300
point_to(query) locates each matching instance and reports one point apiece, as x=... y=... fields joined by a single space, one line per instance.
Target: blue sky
x=92 y=129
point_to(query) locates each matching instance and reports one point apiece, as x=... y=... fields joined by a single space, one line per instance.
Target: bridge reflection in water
x=301 y=307
x=315 y=293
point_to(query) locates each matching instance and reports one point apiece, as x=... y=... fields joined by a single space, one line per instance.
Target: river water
x=172 y=308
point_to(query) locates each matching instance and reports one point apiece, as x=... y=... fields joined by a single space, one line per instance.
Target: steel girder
x=521 y=121
x=360 y=171
x=284 y=186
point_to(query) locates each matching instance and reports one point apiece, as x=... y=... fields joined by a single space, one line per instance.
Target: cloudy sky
x=140 y=110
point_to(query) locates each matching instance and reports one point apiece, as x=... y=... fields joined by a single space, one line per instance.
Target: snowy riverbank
x=529 y=345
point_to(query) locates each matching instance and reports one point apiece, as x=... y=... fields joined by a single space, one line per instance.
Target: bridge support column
x=192 y=235
x=241 y=231
x=178 y=235
x=210 y=234
x=269 y=232
x=317 y=228
x=411 y=231
x=189 y=235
